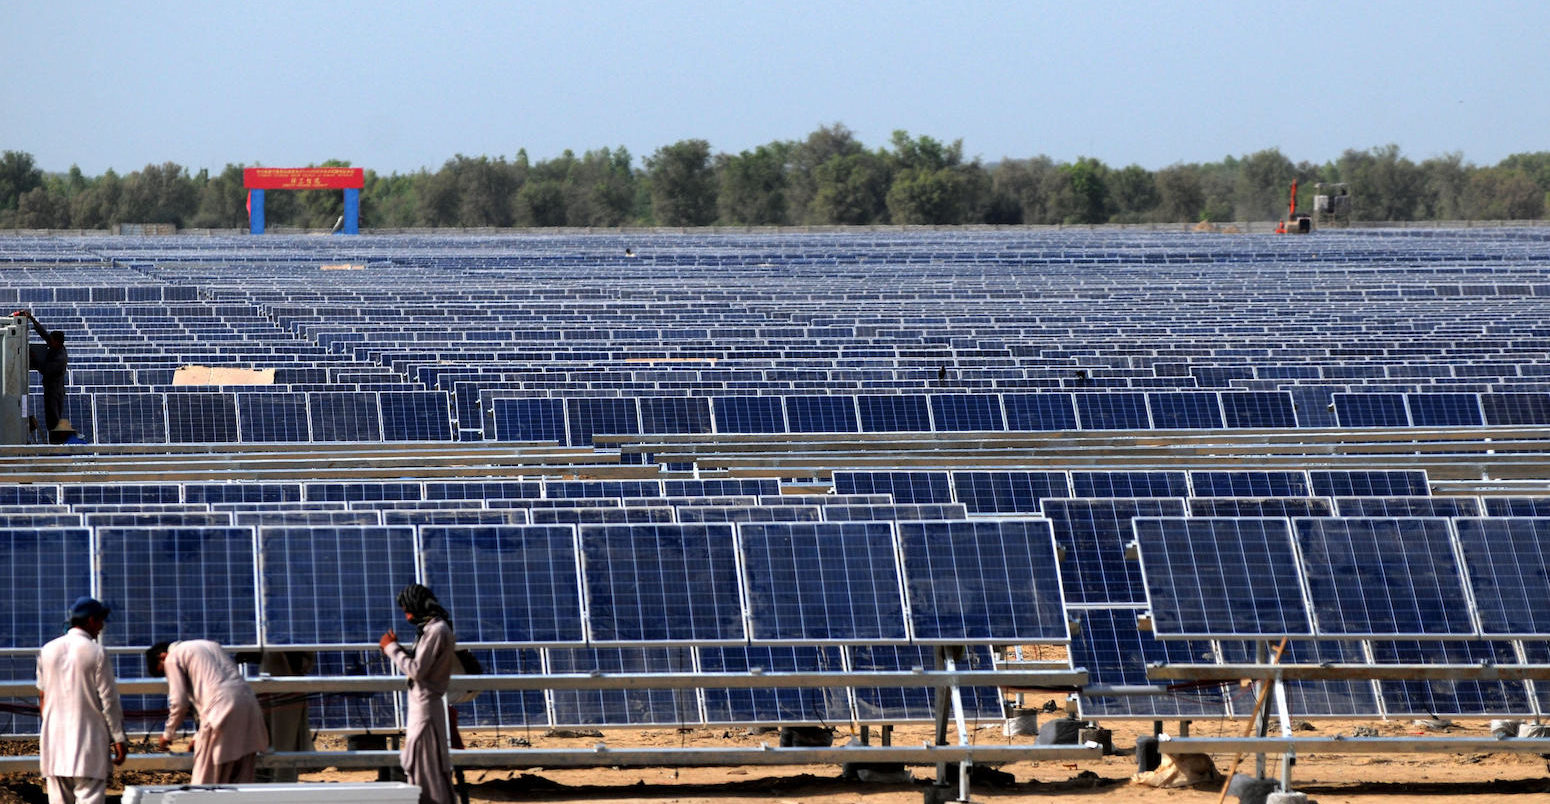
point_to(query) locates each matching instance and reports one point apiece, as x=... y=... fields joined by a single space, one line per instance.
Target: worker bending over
x=202 y=678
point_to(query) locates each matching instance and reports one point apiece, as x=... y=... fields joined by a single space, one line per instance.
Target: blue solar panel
x=706 y=488
x=1112 y=411
x=415 y=416
x=273 y=417
x=507 y=708
x=1516 y=408
x=1508 y=564
x=201 y=418
x=1264 y=506
x=1313 y=405
x=821 y=414
x=1445 y=410
x=1371 y=410
x=484 y=490
x=1248 y=484
x=139 y=418
x=1129 y=484
x=966 y=412
x=1115 y=652
x=1185 y=410
x=577 y=489
x=179 y=583
x=333 y=585
x=1444 y=698
x=120 y=494
x=1311 y=698
x=530 y=420
x=906 y=487
x=589 y=417
x=652 y=583
x=632 y=707
x=242 y=492
x=815 y=705
x=1357 y=483
x=1517 y=506
x=894 y=413
x=983 y=581
x=52 y=566
x=1259 y=409
x=344 y=416
x=1031 y=412
x=822 y=582
x=1407 y=506
x=1094 y=534
x=507 y=584
x=675 y=415
x=1008 y=492
x=1394 y=577
x=1221 y=577
x=749 y=414
x=892 y=704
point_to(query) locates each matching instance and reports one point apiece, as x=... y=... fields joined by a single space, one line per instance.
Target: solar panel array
x=563 y=338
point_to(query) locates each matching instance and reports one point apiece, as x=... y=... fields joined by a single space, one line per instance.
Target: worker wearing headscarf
x=83 y=720
x=426 y=756
x=202 y=678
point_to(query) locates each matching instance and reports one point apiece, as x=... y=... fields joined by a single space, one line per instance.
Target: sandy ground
x=1383 y=779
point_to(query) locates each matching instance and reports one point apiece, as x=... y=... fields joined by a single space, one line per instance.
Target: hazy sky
x=399 y=86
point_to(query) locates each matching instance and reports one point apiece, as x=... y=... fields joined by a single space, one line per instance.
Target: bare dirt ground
x=1381 y=779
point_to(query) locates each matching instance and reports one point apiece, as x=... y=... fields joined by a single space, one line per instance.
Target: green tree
x=1020 y=189
x=1389 y=186
x=601 y=189
x=753 y=185
x=40 y=208
x=96 y=205
x=1082 y=192
x=683 y=184
x=851 y=190
x=18 y=176
x=390 y=201
x=1133 y=194
x=1501 y=193
x=1180 y=196
x=1447 y=179
x=804 y=162
x=1261 y=187
x=541 y=202
x=223 y=201
x=158 y=194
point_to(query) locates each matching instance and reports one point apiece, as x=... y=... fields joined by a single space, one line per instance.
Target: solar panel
x=588 y=417
x=1248 y=484
x=1032 y=412
x=53 y=566
x=333 y=585
x=1407 y=506
x=655 y=583
x=1259 y=409
x=1358 y=483
x=894 y=413
x=1221 y=577
x=1507 y=562
x=1129 y=484
x=629 y=707
x=415 y=416
x=906 y=487
x=1115 y=653
x=675 y=415
x=511 y=584
x=273 y=417
x=1008 y=492
x=1517 y=506
x=139 y=418
x=1266 y=506
x=1093 y=534
x=529 y=420
x=749 y=414
x=507 y=708
x=1185 y=410
x=1516 y=408
x=1311 y=698
x=344 y=416
x=822 y=582
x=1389 y=577
x=821 y=414
x=983 y=581
x=1445 y=410
x=1371 y=410
x=814 y=705
x=966 y=412
x=1445 y=698
x=1112 y=411
x=204 y=584
x=356 y=711
x=893 y=704
x=201 y=418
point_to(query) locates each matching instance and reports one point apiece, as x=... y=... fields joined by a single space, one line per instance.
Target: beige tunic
x=200 y=676
x=426 y=755
x=82 y=716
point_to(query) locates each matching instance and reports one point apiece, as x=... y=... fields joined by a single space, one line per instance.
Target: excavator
x=1294 y=223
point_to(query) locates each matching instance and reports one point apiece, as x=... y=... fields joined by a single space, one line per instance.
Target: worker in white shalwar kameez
x=202 y=678
x=82 y=718
x=426 y=757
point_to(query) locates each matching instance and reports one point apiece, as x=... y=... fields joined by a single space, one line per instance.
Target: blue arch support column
x=352 y=212
x=255 y=211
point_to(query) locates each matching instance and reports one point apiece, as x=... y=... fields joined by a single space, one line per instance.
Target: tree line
x=828 y=178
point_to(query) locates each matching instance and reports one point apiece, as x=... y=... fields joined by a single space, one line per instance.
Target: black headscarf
x=422 y=606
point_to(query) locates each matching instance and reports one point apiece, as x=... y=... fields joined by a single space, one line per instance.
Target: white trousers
x=77 y=790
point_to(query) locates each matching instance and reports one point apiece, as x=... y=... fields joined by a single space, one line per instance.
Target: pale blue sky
x=398 y=86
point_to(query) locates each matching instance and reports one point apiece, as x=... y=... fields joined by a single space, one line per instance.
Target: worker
x=426 y=757
x=83 y=721
x=202 y=678
x=51 y=361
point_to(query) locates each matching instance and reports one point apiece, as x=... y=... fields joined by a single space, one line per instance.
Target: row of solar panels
x=613 y=708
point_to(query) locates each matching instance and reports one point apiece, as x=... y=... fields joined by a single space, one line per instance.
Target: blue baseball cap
x=86 y=606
